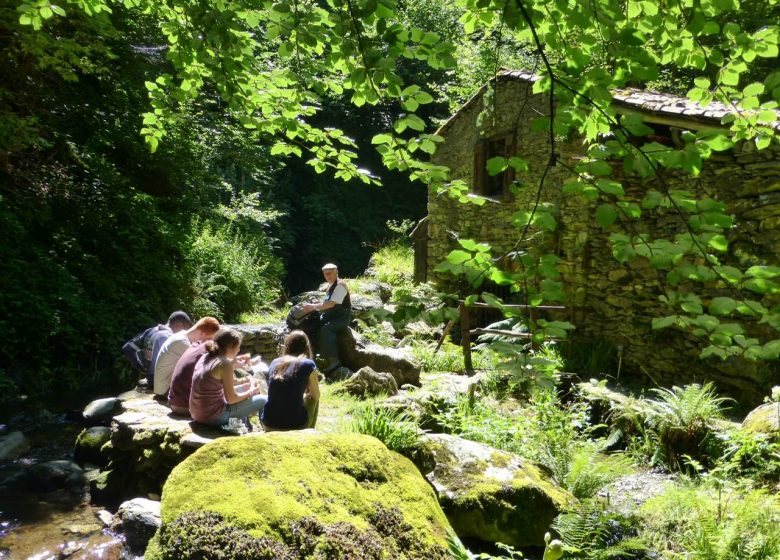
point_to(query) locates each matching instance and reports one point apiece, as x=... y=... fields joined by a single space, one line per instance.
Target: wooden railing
x=466 y=331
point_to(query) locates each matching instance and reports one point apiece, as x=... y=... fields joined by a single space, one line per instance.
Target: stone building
x=606 y=300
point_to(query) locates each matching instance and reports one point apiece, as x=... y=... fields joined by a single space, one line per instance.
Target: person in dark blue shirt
x=293 y=387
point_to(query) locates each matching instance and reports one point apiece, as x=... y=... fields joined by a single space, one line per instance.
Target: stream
x=38 y=523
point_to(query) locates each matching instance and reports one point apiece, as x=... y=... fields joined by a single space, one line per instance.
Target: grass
x=394 y=428
x=393 y=264
x=263 y=316
x=706 y=523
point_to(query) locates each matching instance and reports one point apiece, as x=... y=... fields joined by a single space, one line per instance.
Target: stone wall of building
x=609 y=300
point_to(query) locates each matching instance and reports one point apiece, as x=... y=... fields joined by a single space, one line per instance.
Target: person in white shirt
x=335 y=314
x=175 y=346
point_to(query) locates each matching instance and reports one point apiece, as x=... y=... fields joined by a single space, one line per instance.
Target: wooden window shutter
x=480 y=167
x=509 y=151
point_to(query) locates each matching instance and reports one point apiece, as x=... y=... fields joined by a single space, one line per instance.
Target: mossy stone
x=493 y=495
x=765 y=419
x=315 y=494
x=89 y=445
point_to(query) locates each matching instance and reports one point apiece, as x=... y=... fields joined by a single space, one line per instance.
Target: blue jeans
x=247 y=407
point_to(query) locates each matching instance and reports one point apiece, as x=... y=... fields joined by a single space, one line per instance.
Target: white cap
x=330 y=266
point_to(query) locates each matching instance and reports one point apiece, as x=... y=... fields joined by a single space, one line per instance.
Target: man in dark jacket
x=141 y=350
x=335 y=314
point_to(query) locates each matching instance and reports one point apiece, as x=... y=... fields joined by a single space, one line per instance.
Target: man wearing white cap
x=335 y=315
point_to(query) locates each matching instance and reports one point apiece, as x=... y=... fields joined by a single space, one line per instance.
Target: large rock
x=492 y=495
x=764 y=419
x=13 y=445
x=139 y=520
x=57 y=475
x=100 y=411
x=289 y=495
x=369 y=383
x=356 y=353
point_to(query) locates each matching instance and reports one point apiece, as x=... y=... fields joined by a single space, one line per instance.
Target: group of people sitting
x=193 y=366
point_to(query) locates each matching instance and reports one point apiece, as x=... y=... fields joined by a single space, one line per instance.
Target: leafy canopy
x=271 y=63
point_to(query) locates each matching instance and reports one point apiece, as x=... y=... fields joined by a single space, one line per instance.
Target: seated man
x=173 y=348
x=335 y=315
x=142 y=349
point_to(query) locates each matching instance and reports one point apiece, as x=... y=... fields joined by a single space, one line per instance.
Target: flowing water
x=37 y=525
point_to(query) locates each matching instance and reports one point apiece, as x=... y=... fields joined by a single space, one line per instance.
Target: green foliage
x=448 y=358
x=699 y=522
x=526 y=369
x=266 y=315
x=393 y=264
x=589 y=531
x=755 y=456
x=684 y=420
x=582 y=469
x=394 y=428
x=231 y=273
x=544 y=428
x=421 y=302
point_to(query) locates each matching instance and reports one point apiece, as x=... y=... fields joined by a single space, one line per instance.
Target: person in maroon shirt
x=181 y=381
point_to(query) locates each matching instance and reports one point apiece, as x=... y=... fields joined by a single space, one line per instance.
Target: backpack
x=306 y=322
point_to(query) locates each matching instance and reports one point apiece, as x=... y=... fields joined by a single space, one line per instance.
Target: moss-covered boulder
x=765 y=419
x=89 y=444
x=490 y=494
x=299 y=495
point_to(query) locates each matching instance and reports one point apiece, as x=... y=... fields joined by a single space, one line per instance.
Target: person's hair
x=181 y=318
x=223 y=341
x=296 y=347
x=330 y=266
x=207 y=325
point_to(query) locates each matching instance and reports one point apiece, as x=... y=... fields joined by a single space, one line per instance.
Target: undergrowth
x=396 y=429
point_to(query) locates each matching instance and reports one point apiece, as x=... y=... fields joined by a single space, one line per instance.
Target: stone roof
x=673 y=109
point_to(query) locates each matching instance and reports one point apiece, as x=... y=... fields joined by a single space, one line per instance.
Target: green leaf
x=518 y=164
x=382 y=139
x=458 y=257
x=663 y=322
x=762 y=271
x=606 y=215
x=652 y=199
x=754 y=89
x=762 y=286
x=718 y=242
x=496 y=165
x=492 y=300
x=610 y=187
x=718 y=143
x=722 y=306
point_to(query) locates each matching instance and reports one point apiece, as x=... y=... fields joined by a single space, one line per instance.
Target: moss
x=765 y=419
x=90 y=444
x=499 y=499
x=266 y=483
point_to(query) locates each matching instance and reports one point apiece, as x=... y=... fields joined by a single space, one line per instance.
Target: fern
x=583 y=470
x=683 y=421
x=590 y=532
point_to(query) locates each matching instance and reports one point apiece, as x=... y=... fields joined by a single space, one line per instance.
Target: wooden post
x=465 y=338
x=532 y=318
x=444 y=334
